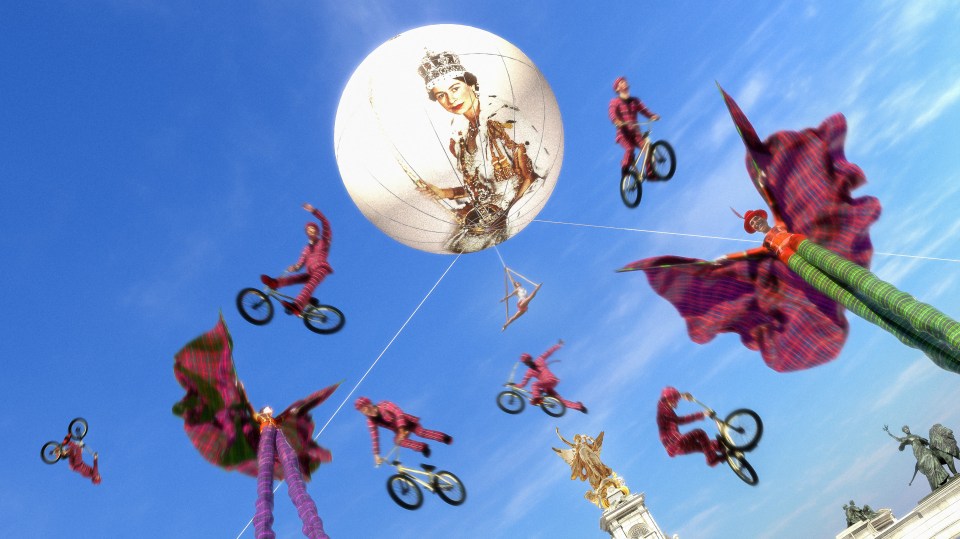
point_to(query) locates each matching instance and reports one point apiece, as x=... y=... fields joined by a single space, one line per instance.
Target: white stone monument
x=937 y=516
x=628 y=518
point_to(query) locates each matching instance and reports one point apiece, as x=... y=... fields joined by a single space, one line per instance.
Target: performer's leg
x=434 y=435
x=312 y=525
x=307 y=291
x=569 y=404
x=293 y=278
x=627 y=160
x=538 y=389
x=415 y=445
x=266 y=454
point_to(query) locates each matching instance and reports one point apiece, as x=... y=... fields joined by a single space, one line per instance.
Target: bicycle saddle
x=428 y=467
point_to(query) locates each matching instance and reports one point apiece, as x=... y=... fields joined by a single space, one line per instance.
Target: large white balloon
x=462 y=170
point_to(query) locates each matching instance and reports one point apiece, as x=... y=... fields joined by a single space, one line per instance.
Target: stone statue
x=585 y=465
x=855 y=514
x=928 y=458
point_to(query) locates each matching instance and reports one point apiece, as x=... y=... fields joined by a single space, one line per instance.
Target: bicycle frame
x=644 y=152
x=412 y=473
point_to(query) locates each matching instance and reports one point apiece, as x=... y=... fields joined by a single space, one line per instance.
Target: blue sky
x=154 y=158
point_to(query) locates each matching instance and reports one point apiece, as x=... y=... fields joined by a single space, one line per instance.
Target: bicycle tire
x=323 y=319
x=254 y=306
x=741 y=430
x=664 y=160
x=553 y=407
x=743 y=469
x=401 y=485
x=49 y=452
x=631 y=189
x=511 y=401
x=453 y=484
x=78 y=428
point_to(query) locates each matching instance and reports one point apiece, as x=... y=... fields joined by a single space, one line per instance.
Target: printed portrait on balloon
x=449 y=139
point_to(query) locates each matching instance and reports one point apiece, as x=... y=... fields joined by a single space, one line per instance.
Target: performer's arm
x=374 y=436
x=327 y=234
x=612 y=112
x=526 y=377
x=550 y=351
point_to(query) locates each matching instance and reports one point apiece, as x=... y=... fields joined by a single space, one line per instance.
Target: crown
x=435 y=66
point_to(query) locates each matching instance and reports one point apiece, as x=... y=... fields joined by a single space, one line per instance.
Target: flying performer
x=224 y=427
x=623 y=110
x=389 y=416
x=695 y=441
x=313 y=256
x=546 y=381
x=787 y=297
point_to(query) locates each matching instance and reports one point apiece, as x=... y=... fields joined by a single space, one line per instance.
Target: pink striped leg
x=266 y=455
x=312 y=525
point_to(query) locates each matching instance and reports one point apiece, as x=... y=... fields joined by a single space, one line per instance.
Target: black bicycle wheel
x=631 y=189
x=742 y=468
x=50 y=452
x=254 y=306
x=404 y=490
x=449 y=488
x=553 y=407
x=510 y=401
x=78 y=428
x=323 y=319
x=664 y=161
x=741 y=430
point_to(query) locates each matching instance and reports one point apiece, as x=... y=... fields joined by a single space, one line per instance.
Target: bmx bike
x=255 y=307
x=404 y=486
x=663 y=164
x=51 y=452
x=514 y=399
x=740 y=432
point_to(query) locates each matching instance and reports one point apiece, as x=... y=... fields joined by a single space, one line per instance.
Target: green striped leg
x=941 y=353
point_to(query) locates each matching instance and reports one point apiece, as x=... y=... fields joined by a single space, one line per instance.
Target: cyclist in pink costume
x=695 y=441
x=546 y=380
x=313 y=256
x=623 y=112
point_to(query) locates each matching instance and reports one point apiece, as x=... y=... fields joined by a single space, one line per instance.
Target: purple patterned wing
x=216 y=414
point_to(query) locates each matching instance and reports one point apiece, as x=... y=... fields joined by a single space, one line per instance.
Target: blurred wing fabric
x=215 y=412
x=297 y=425
x=942 y=438
x=808 y=183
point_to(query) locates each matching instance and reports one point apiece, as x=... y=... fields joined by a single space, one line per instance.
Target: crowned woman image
x=488 y=141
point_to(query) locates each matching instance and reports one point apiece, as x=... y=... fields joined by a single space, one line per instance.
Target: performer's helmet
x=618 y=82
x=750 y=215
x=361 y=402
x=526 y=358
x=670 y=393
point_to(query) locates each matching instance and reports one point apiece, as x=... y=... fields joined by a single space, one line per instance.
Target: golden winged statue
x=583 y=456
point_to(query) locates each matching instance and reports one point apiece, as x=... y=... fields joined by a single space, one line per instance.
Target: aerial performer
x=787 y=297
x=546 y=382
x=388 y=415
x=313 y=256
x=523 y=297
x=492 y=165
x=72 y=447
x=695 y=441
x=224 y=427
x=623 y=112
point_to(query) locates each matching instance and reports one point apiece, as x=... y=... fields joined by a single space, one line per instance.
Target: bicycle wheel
x=510 y=401
x=449 y=488
x=323 y=319
x=254 y=306
x=78 y=428
x=404 y=491
x=631 y=189
x=742 y=468
x=664 y=161
x=50 y=452
x=553 y=407
x=741 y=430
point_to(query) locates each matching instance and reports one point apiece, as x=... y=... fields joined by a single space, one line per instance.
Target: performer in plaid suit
x=623 y=111
x=389 y=416
x=74 y=452
x=313 y=256
x=695 y=441
x=546 y=381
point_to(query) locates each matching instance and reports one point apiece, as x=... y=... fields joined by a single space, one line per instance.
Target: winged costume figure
x=791 y=292
x=227 y=431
